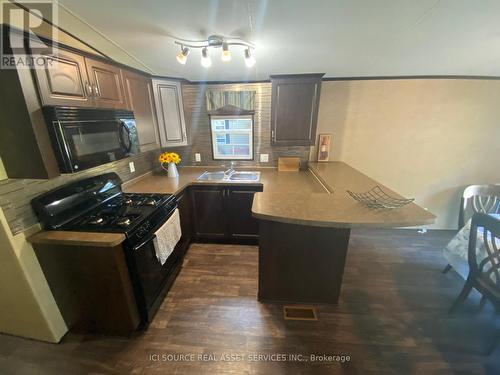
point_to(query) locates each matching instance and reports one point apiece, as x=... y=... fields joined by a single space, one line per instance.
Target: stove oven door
x=153 y=279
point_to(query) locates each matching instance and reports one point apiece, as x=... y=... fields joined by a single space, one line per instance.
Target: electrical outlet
x=197 y=157
x=131 y=166
x=264 y=158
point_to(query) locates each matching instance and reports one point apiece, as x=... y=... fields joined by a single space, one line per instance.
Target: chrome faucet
x=231 y=170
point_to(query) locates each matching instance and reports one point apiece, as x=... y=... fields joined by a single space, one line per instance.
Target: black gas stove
x=122 y=213
x=98 y=204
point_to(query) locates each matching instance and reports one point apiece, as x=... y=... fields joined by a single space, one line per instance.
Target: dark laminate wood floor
x=392 y=318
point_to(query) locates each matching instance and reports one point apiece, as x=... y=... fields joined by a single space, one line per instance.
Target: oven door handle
x=149 y=239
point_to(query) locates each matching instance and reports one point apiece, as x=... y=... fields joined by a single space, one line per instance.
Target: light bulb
x=206 y=61
x=249 y=59
x=226 y=53
x=182 y=55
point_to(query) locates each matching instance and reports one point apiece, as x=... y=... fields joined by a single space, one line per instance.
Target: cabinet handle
x=88 y=87
x=272 y=135
x=96 y=89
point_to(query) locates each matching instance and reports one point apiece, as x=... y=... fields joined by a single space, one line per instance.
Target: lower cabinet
x=224 y=213
x=241 y=223
x=209 y=212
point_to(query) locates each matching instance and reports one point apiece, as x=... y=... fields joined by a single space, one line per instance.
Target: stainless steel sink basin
x=232 y=176
x=245 y=176
x=212 y=176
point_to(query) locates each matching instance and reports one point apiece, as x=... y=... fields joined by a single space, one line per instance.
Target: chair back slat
x=478 y=198
x=488 y=269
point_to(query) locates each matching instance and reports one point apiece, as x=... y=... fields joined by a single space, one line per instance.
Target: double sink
x=230 y=176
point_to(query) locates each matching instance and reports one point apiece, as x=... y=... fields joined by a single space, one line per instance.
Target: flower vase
x=172 y=171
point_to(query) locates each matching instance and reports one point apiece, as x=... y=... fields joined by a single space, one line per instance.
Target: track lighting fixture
x=249 y=59
x=206 y=61
x=182 y=55
x=226 y=53
x=215 y=41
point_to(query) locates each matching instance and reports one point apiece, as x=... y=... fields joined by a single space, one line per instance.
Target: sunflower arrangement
x=169 y=157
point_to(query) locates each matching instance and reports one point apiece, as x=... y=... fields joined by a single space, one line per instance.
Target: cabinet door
x=209 y=212
x=63 y=80
x=241 y=222
x=107 y=84
x=185 y=213
x=170 y=113
x=139 y=91
x=294 y=111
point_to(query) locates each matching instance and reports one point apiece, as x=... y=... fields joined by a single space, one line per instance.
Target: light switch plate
x=264 y=158
x=131 y=166
x=197 y=157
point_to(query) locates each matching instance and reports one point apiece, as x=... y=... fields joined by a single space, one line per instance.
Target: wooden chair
x=484 y=274
x=475 y=198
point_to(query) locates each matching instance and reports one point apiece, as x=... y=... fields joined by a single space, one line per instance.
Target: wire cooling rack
x=376 y=198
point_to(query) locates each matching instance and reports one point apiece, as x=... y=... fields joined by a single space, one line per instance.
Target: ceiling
x=341 y=38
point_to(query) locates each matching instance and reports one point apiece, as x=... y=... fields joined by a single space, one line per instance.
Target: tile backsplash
x=198 y=126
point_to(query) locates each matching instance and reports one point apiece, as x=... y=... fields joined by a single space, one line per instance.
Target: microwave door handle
x=124 y=127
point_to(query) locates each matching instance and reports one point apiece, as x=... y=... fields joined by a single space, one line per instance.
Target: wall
x=28 y=308
x=3 y=173
x=425 y=138
x=198 y=126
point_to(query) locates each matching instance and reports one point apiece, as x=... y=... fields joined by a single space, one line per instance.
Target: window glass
x=232 y=137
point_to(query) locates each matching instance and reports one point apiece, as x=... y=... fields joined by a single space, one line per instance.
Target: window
x=232 y=137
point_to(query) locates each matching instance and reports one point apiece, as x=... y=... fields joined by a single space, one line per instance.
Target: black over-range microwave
x=83 y=138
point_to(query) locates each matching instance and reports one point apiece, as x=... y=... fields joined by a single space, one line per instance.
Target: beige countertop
x=316 y=197
x=270 y=179
x=94 y=239
x=336 y=209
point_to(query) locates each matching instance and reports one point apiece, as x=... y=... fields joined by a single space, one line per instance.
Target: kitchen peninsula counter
x=315 y=197
x=334 y=207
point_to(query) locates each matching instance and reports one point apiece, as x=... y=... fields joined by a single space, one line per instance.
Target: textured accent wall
x=198 y=126
x=16 y=194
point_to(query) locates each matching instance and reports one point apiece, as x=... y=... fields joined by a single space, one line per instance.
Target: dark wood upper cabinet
x=294 y=114
x=25 y=146
x=70 y=79
x=63 y=81
x=107 y=84
x=139 y=92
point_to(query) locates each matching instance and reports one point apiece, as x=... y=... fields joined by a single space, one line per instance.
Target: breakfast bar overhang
x=304 y=237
